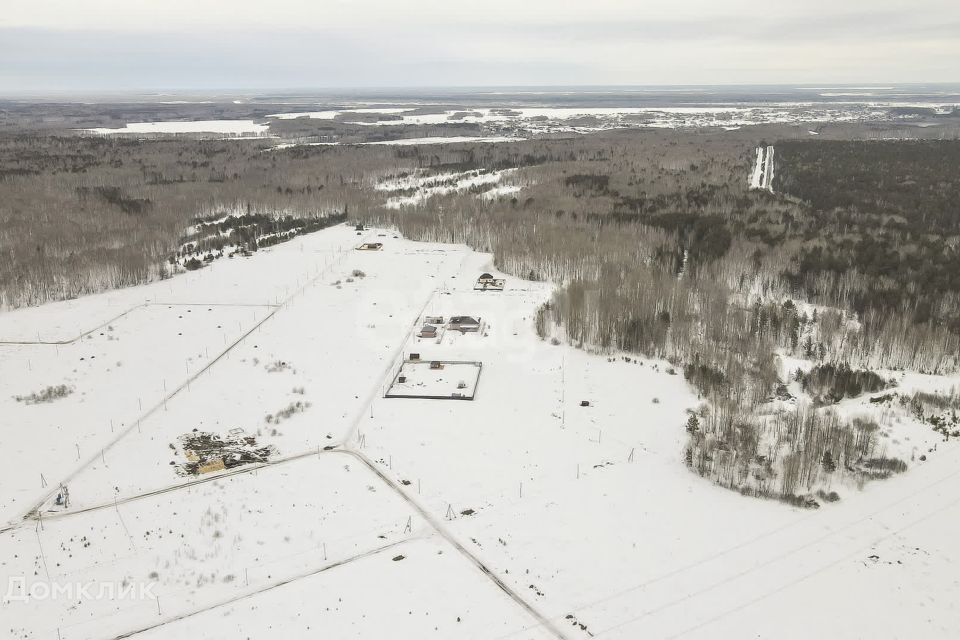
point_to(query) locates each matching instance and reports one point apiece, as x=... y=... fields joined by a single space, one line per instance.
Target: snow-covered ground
x=415 y=188
x=225 y=127
x=538 y=120
x=512 y=122
x=446 y=140
x=520 y=514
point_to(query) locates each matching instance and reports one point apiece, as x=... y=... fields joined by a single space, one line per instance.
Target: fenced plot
x=436 y=380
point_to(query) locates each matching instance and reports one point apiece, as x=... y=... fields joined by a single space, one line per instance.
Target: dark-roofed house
x=463 y=324
x=486 y=282
x=428 y=331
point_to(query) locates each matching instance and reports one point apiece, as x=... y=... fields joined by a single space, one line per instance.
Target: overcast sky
x=135 y=45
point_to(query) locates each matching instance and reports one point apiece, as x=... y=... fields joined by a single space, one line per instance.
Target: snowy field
x=556 y=504
x=225 y=127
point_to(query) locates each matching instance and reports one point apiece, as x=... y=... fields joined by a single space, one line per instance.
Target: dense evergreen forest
x=885 y=234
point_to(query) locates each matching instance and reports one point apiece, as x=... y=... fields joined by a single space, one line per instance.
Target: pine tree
x=827 y=462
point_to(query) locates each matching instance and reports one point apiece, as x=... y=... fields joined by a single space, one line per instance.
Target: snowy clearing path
x=757 y=174
x=762 y=176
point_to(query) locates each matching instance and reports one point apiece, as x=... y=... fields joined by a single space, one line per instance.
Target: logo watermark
x=20 y=590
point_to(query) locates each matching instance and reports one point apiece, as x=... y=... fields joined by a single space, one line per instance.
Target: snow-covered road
x=762 y=176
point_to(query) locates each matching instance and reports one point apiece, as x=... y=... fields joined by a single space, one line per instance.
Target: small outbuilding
x=428 y=331
x=370 y=246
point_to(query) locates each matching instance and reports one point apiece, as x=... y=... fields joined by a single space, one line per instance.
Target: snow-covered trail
x=768 y=170
x=762 y=176
x=183 y=486
x=757 y=170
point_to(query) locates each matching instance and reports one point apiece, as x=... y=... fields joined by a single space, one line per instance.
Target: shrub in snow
x=277 y=366
x=46 y=395
x=289 y=410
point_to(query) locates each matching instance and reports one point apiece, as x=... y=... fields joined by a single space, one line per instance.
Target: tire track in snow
x=135 y=307
x=861 y=520
x=813 y=516
x=763 y=596
x=250 y=468
x=271 y=587
x=542 y=620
